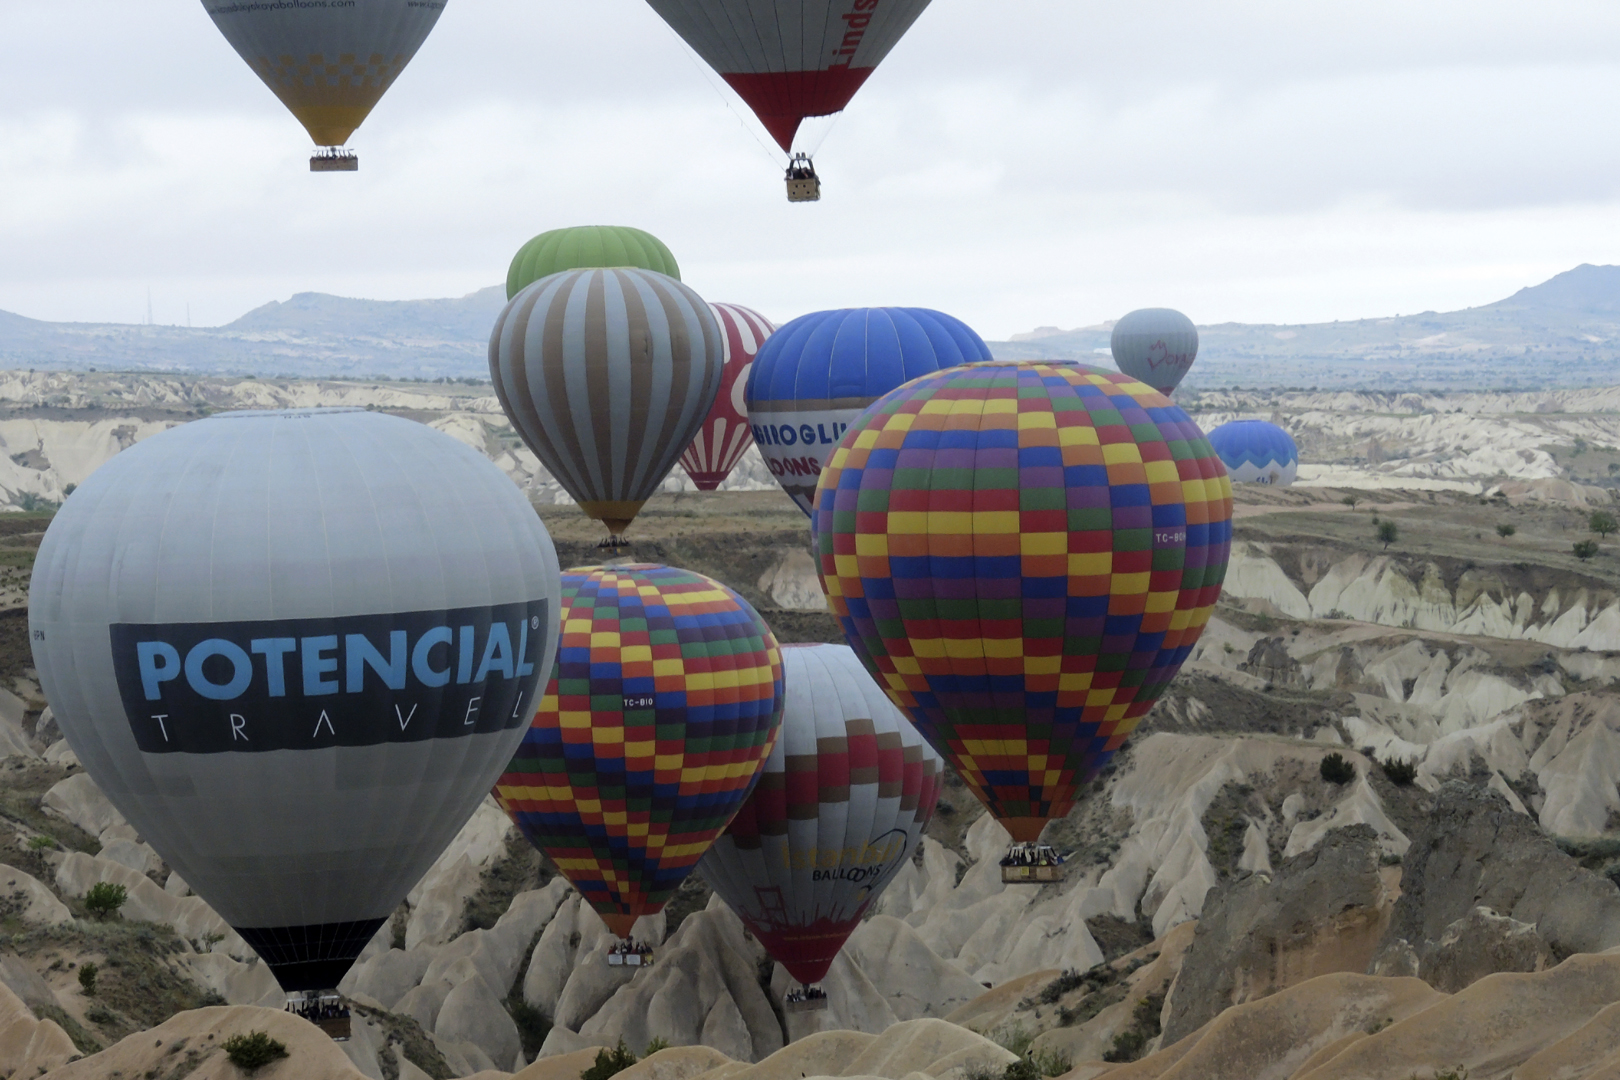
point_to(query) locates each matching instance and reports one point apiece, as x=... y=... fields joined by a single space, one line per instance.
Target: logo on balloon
x=857 y=864
x=307 y=684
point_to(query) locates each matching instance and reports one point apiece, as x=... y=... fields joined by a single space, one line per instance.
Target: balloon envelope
x=724 y=437
x=329 y=64
x=1156 y=346
x=790 y=59
x=1256 y=452
x=1024 y=554
x=607 y=375
x=587 y=247
x=815 y=375
x=294 y=650
x=841 y=805
x=666 y=699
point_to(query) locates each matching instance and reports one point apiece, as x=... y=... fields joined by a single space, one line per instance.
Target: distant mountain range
x=1563 y=332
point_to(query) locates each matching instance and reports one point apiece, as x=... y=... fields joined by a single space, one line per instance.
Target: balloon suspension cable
x=693 y=57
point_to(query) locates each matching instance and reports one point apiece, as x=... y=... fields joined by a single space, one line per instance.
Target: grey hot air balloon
x=328 y=62
x=296 y=649
x=608 y=375
x=1155 y=346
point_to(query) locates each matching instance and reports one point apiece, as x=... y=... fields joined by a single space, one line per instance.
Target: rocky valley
x=1373 y=830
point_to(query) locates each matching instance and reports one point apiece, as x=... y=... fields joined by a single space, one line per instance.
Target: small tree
x=256 y=1048
x=87 y=979
x=1388 y=533
x=610 y=1063
x=1400 y=773
x=1350 y=500
x=1336 y=770
x=1602 y=522
x=1585 y=549
x=104 y=899
x=1505 y=530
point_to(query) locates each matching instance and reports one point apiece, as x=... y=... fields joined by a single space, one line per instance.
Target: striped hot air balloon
x=790 y=59
x=328 y=63
x=724 y=437
x=666 y=699
x=607 y=375
x=1024 y=554
x=841 y=805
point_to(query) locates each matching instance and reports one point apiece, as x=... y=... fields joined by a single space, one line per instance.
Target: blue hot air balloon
x=1256 y=452
x=816 y=374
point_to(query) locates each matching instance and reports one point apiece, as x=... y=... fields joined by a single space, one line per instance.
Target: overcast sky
x=1014 y=162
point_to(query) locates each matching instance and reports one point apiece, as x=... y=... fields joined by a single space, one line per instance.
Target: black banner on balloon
x=307 y=684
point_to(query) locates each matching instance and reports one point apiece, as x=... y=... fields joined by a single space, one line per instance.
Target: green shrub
x=1127 y=1045
x=1022 y=1069
x=1388 y=533
x=1505 y=530
x=1585 y=549
x=1051 y=1062
x=104 y=899
x=253 y=1050
x=1602 y=522
x=609 y=1063
x=1336 y=770
x=655 y=1046
x=1400 y=773
x=87 y=979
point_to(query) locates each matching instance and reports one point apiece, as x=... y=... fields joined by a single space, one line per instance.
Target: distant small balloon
x=1156 y=346
x=1256 y=452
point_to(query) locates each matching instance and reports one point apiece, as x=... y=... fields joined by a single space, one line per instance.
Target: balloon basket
x=613 y=543
x=1028 y=864
x=335 y=161
x=630 y=960
x=325 y=1010
x=808 y=1005
x=803 y=185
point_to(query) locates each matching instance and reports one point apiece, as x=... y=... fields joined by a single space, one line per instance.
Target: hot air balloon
x=724 y=437
x=607 y=375
x=1023 y=555
x=1156 y=346
x=815 y=375
x=1255 y=452
x=792 y=58
x=294 y=649
x=666 y=699
x=840 y=807
x=587 y=247
x=328 y=63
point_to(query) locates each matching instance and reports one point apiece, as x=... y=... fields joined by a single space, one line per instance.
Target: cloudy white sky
x=1014 y=162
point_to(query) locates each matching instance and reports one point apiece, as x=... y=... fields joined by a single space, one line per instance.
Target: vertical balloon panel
x=725 y=437
x=294 y=649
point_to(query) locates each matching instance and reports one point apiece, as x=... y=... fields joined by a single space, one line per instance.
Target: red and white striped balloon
x=724 y=436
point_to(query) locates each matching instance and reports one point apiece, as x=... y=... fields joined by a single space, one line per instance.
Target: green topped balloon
x=588 y=247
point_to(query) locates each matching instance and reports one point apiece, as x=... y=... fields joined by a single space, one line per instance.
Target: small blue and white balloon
x=1256 y=452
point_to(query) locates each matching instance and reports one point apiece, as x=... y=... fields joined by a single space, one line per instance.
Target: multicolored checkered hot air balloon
x=1024 y=554
x=841 y=805
x=666 y=699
